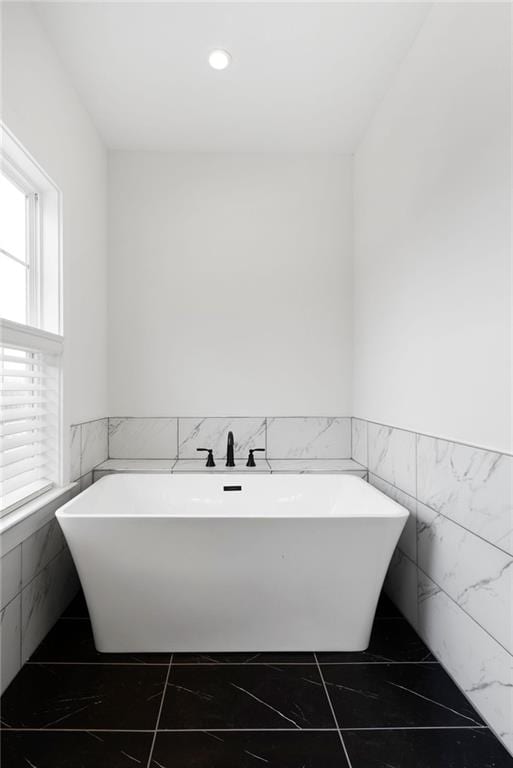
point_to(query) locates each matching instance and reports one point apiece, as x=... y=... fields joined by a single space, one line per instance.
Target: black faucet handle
x=210 y=457
x=251 y=459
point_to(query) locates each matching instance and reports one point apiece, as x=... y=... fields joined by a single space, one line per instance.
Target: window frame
x=43 y=330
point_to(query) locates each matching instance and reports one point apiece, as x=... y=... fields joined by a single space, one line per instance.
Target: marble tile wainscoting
x=290 y=445
x=452 y=572
x=38 y=581
x=89 y=446
x=178 y=438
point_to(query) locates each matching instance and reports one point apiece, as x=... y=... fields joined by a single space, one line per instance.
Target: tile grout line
x=333 y=712
x=250 y=730
x=227 y=663
x=150 y=756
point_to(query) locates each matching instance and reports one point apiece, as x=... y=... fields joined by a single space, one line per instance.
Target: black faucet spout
x=229 y=451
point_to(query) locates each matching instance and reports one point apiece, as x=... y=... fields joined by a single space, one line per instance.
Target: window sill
x=22 y=522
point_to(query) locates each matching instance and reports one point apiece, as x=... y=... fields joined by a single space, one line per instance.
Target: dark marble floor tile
x=446 y=748
x=386 y=609
x=388 y=695
x=300 y=749
x=253 y=657
x=77 y=609
x=266 y=696
x=74 y=749
x=83 y=696
x=391 y=640
x=71 y=640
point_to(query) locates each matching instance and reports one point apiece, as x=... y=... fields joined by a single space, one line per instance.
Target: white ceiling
x=304 y=77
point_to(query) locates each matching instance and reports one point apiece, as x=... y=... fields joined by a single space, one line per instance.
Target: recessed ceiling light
x=219 y=59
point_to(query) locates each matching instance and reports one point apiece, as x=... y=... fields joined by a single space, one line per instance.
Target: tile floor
x=392 y=706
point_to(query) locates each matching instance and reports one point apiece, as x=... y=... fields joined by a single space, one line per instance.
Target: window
x=30 y=328
x=19 y=206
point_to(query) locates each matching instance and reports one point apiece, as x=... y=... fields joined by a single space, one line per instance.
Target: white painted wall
x=230 y=284
x=432 y=225
x=41 y=108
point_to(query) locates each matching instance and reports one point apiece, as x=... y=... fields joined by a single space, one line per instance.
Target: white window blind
x=30 y=381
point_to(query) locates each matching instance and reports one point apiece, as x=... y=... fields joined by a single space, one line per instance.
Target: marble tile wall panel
x=40 y=548
x=359 y=441
x=408 y=539
x=138 y=438
x=212 y=432
x=75 y=451
x=309 y=438
x=44 y=599
x=401 y=585
x=391 y=455
x=93 y=444
x=478 y=664
x=10 y=642
x=10 y=575
x=463 y=562
x=479 y=577
x=38 y=579
x=169 y=438
x=472 y=486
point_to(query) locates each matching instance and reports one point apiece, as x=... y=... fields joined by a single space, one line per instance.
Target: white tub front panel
x=231 y=584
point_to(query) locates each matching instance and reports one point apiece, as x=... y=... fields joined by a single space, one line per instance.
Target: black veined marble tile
x=236 y=749
x=225 y=696
x=74 y=749
x=71 y=640
x=82 y=696
x=390 y=695
x=429 y=748
x=391 y=640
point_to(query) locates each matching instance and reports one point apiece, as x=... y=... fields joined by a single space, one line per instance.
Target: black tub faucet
x=229 y=451
x=210 y=457
x=251 y=459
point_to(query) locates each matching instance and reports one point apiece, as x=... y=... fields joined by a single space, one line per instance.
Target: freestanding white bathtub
x=277 y=563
